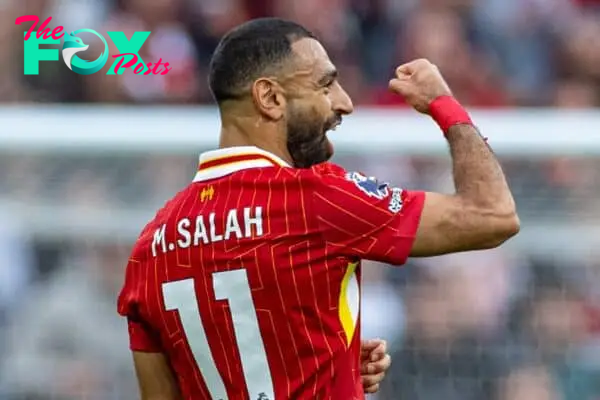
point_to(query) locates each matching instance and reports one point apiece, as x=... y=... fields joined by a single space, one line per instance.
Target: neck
x=247 y=132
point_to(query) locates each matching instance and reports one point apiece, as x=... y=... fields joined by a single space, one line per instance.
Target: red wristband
x=446 y=111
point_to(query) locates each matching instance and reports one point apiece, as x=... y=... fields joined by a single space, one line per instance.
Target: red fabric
x=315 y=222
x=142 y=337
x=447 y=112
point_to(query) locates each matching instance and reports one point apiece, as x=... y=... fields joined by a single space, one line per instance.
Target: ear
x=268 y=96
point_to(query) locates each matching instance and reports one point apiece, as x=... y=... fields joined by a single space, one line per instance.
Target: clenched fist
x=419 y=82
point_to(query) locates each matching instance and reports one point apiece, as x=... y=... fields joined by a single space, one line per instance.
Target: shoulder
x=329 y=169
x=331 y=176
x=162 y=215
x=320 y=173
x=297 y=178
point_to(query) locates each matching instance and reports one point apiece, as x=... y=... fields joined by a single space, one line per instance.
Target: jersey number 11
x=232 y=286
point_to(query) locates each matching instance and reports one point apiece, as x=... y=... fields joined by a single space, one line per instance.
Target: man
x=246 y=284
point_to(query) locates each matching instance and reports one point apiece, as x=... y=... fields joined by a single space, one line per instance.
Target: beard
x=307 y=141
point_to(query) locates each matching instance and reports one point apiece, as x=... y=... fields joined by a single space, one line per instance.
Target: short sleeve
x=363 y=217
x=141 y=336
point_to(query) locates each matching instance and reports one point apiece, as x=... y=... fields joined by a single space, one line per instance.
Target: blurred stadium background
x=85 y=160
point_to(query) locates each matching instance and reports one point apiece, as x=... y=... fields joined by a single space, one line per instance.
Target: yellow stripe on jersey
x=349 y=302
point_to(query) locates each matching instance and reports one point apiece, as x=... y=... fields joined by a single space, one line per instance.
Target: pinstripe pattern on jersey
x=303 y=273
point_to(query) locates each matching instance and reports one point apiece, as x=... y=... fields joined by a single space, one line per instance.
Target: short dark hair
x=248 y=51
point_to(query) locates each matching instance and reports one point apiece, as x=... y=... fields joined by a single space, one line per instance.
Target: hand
x=419 y=82
x=374 y=363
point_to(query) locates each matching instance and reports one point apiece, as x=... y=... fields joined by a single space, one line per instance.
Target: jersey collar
x=218 y=163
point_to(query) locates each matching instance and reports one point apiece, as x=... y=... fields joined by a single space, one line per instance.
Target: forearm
x=478 y=176
x=481 y=214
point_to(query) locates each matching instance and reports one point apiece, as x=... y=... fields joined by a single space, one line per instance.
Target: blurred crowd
x=496 y=325
x=494 y=53
x=489 y=325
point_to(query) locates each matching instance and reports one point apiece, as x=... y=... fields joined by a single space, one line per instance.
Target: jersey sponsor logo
x=369 y=185
x=396 y=201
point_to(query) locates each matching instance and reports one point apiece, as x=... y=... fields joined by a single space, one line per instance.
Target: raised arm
x=482 y=213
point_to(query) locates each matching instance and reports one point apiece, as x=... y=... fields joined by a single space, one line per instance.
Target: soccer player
x=246 y=284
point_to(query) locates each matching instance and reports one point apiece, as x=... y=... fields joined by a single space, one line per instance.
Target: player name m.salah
x=204 y=229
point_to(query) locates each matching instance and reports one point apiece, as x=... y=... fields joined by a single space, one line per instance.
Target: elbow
x=504 y=226
x=510 y=226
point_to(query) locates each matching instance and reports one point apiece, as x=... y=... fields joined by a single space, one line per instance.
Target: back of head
x=254 y=49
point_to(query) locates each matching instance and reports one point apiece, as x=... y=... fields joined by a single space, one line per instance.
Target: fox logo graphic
x=369 y=185
x=73 y=45
x=128 y=49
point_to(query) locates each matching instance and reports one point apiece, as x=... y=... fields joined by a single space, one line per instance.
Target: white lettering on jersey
x=159 y=238
x=200 y=231
x=234 y=224
x=396 y=201
x=182 y=230
x=256 y=221
x=214 y=237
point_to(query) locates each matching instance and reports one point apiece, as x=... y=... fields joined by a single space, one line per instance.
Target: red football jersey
x=248 y=279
